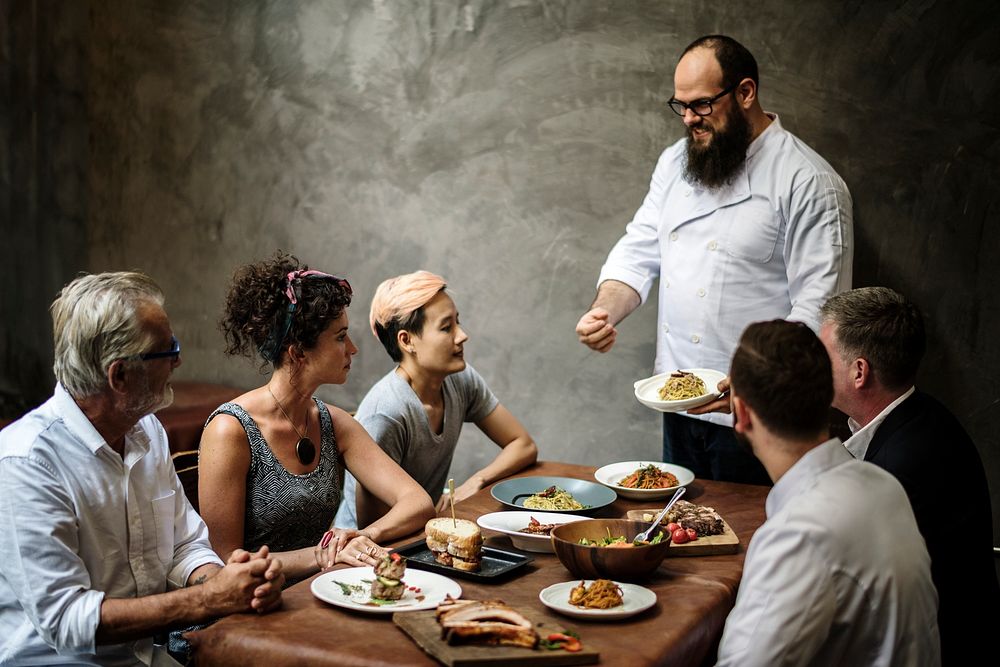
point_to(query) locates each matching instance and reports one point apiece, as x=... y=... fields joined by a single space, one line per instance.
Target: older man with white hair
x=95 y=525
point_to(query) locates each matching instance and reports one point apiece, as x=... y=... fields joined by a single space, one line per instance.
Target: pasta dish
x=602 y=594
x=681 y=385
x=552 y=498
x=649 y=477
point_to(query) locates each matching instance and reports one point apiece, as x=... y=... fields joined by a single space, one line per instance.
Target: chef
x=742 y=222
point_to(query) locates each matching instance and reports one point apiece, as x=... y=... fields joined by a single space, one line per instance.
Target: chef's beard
x=717 y=163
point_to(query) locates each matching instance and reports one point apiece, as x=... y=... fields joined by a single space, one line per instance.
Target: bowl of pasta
x=553 y=494
x=642 y=480
x=604 y=549
x=679 y=390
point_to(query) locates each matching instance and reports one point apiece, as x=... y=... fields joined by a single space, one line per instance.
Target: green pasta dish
x=553 y=498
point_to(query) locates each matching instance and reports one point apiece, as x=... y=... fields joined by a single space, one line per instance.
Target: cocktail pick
x=451 y=500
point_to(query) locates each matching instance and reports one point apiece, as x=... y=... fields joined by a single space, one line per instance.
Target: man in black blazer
x=875 y=339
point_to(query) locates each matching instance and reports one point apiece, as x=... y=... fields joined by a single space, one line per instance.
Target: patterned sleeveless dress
x=283 y=510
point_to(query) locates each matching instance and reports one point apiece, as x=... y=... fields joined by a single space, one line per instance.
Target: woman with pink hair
x=415 y=413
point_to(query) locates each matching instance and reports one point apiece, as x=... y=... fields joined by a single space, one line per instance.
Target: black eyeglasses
x=702 y=107
x=173 y=352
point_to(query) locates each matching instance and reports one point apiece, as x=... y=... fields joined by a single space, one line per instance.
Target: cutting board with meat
x=427 y=630
x=715 y=537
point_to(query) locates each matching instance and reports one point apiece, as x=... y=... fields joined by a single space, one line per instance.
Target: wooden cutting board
x=708 y=545
x=423 y=628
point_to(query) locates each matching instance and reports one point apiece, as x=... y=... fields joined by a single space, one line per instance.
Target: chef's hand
x=596 y=331
x=721 y=404
x=344 y=545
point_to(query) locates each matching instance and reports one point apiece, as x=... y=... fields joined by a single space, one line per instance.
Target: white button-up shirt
x=837 y=575
x=862 y=436
x=776 y=243
x=79 y=523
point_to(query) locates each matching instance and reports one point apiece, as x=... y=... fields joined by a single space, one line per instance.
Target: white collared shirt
x=828 y=581
x=861 y=436
x=79 y=523
x=775 y=244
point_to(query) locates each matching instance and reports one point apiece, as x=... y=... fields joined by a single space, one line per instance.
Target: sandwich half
x=455 y=543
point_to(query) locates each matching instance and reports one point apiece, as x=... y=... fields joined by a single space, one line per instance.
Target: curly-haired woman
x=272 y=461
x=415 y=413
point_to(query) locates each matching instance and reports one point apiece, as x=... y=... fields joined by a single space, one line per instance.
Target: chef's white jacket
x=775 y=243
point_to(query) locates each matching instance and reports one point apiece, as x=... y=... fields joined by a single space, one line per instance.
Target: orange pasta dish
x=602 y=594
x=649 y=477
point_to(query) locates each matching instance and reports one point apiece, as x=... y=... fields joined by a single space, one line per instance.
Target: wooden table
x=694 y=596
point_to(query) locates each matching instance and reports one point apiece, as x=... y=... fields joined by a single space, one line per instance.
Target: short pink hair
x=397 y=298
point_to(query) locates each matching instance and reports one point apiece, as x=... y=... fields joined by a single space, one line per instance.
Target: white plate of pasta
x=634 y=599
x=686 y=383
x=643 y=480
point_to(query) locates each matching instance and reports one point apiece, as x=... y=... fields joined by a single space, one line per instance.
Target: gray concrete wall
x=505 y=144
x=43 y=184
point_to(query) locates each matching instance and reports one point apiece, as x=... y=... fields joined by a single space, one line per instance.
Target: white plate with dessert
x=528 y=531
x=573 y=597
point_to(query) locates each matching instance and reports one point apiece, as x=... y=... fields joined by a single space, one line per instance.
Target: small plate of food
x=679 y=390
x=642 y=480
x=528 y=531
x=553 y=494
x=597 y=599
x=384 y=589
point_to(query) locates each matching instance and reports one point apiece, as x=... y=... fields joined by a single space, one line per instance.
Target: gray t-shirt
x=395 y=418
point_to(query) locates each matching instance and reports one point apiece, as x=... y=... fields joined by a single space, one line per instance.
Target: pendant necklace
x=305 y=450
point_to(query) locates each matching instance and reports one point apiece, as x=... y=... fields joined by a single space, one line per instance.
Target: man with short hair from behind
x=94 y=524
x=838 y=573
x=876 y=340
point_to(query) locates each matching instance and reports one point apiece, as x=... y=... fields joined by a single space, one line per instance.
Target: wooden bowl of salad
x=604 y=549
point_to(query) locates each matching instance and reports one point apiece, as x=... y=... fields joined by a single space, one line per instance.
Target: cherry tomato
x=692 y=534
x=679 y=536
x=671 y=527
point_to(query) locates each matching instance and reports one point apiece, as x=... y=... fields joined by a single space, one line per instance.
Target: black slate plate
x=495 y=564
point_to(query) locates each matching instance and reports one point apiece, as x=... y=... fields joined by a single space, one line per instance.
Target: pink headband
x=270 y=348
x=295 y=275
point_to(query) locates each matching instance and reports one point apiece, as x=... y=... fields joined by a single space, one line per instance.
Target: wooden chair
x=186 y=465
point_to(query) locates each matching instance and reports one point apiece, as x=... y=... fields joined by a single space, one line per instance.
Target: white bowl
x=613 y=473
x=510 y=523
x=647 y=391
